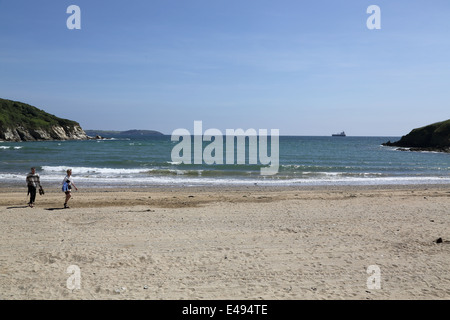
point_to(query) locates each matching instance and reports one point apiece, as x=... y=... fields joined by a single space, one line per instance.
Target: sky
x=303 y=67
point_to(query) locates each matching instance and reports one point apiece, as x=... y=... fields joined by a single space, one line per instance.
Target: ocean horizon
x=146 y=162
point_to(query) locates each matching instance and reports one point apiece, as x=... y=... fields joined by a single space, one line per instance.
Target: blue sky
x=304 y=67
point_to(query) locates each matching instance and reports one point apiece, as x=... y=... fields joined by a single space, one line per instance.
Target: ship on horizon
x=342 y=134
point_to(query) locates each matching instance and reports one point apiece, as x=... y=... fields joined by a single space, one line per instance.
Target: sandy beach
x=227 y=243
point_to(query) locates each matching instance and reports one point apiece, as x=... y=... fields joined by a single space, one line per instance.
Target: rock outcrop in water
x=433 y=137
x=22 y=122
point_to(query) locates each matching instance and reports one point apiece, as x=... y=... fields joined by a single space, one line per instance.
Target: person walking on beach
x=67 y=187
x=33 y=181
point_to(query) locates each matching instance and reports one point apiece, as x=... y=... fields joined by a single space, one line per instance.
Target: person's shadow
x=21 y=207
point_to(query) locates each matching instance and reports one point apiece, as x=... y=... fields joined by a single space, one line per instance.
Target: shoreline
x=98 y=188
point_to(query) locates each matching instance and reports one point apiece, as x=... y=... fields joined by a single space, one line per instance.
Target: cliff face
x=54 y=133
x=433 y=137
x=22 y=122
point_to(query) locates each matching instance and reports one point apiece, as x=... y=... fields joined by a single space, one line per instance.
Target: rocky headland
x=433 y=137
x=22 y=122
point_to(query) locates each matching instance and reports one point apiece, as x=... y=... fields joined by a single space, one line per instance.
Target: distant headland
x=433 y=137
x=100 y=134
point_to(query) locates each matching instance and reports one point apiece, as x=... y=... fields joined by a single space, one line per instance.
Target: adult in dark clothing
x=33 y=182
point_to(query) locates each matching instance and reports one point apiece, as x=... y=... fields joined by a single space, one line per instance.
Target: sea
x=138 y=161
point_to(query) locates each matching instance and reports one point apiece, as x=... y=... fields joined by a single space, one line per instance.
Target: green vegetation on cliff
x=14 y=114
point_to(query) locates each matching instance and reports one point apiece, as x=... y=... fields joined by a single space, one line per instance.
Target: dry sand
x=227 y=243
